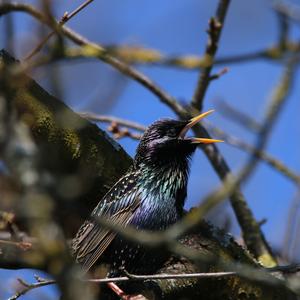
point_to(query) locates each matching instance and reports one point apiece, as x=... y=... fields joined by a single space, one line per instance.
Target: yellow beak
x=194 y=121
x=205 y=141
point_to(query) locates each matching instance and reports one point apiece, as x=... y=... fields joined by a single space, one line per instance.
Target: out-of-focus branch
x=109 y=119
x=140 y=55
x=114 y=125
x=88 y=158
x=263 y=155
x=290 y=235
x=89 y=49
x=237 y=116
x=149 y=56
x=289 y=10
x=22 y=245
x=216 y=25
x=20 y=155
x=253 y=236
x=284 y=27
x=256 y=242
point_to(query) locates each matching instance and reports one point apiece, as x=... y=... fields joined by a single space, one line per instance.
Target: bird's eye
x=172 y=133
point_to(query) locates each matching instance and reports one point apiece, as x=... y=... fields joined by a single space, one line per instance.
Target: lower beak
x=193 y=122
x=205 y=141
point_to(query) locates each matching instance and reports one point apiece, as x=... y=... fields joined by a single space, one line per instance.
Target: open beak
x=194 y=121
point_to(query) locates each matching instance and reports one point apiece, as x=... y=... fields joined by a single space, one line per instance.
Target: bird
x=149 y=196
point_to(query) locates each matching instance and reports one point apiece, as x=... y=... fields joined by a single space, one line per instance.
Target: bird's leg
x=122 y=294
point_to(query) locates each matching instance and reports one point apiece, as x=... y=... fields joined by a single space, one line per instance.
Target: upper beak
x=194 y=121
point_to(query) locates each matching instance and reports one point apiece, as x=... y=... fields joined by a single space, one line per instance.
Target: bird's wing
x=118 y=205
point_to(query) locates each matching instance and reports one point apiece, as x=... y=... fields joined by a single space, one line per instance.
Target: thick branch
x=81 y=158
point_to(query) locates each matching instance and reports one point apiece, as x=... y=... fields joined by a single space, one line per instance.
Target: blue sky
x=178 y=27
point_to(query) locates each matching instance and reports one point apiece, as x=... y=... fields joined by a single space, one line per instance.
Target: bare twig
x=110 y=119
x=290 y=269
x=65 y=18
x=219 y=74
x=132 y=277
x=120 y=132
x=117 y=131
x=30 y=286
x=22 y=245
x=216 y=25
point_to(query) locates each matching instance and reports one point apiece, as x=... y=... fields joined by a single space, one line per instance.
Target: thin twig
x=216 y=25
x=110 y=119
x=30 y=286
x=117 y=131
x=22 y=245
x=289 y=269
x=132 y=277
x=65 y=18
x=219 y=74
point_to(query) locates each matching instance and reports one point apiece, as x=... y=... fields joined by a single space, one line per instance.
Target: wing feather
x=92 y=239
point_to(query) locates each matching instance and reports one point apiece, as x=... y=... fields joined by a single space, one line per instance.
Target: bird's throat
x=167 y=181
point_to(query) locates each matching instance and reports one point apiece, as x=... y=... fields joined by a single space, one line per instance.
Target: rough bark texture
x=83 y=163
x=81 y=159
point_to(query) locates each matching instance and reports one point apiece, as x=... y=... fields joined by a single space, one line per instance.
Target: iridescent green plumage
x=149 y=196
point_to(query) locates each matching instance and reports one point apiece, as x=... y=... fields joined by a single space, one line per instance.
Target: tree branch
x=216 y=25
x=65 y=18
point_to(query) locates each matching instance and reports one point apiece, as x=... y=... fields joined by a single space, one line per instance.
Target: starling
x=150 y=196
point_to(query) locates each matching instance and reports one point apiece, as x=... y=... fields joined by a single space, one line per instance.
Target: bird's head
x=165 y=140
